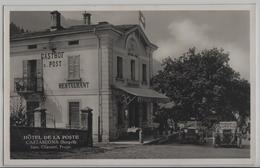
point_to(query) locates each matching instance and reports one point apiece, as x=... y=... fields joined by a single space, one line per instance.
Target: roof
x=125 y=28
x=143 y=92
x=120 y=29
x=62 y=31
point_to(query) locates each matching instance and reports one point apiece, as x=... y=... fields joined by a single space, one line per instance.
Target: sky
x=176 y=31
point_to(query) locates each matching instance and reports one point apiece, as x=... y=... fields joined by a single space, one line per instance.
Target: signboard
x=76 y=84
x=228 y=125
x=37 y=138
x=52 y=59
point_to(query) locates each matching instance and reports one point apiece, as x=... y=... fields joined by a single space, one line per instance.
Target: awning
x=144 y=93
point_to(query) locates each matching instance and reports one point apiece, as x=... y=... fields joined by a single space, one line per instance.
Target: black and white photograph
x=130 y=84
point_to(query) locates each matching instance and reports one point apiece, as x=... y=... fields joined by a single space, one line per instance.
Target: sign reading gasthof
x=53 y=59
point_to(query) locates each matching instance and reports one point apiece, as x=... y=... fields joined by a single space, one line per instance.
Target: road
x=171 y=151
x=161 y=151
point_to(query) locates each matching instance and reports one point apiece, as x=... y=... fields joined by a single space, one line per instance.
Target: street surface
x=170 y=151
x=160 y=151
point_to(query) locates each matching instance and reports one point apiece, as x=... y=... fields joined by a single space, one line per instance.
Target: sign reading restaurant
x=77 y=84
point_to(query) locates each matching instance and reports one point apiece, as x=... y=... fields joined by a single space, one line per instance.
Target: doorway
x=30 y=106
x=74 y=114
x=134 y=114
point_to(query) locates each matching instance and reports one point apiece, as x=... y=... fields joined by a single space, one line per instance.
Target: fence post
x=87 y=112
x=90 y=119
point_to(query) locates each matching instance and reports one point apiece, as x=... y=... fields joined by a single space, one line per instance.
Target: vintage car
x=192 y=132
x=227 y=134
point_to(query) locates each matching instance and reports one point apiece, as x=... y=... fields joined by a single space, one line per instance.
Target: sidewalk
x=147 y=140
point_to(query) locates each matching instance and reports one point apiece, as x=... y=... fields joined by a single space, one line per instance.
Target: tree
x=18 y=114
x=202 y=84
x=14 y=29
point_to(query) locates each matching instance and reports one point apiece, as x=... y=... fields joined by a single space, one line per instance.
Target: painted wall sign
x=78 y=84
x=53 y=59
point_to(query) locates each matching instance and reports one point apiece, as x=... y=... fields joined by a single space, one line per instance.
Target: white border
x=135 y=6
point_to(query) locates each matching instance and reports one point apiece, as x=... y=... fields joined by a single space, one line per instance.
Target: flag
x=142 y=19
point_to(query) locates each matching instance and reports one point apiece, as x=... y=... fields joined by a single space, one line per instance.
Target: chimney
x=55 y=21
x=86 y=18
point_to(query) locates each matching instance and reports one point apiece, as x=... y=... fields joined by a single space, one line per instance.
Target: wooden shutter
x=119 y=67
x=70 y=67
x=25 y=73
x=76 y=67
x=144 y=73
x=133 y=69
x=25 y=69
x=74 y=114
x=39 y=75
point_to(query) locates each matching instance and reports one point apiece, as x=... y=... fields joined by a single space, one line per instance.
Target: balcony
x=28 y=85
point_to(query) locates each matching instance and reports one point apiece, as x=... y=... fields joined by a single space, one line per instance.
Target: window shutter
x=25 y=72
x=70 y=67
x=25 y=69
x=119 y=67
x=39 y=75
x=144 y=73
x=76 y=67
x=132 y=69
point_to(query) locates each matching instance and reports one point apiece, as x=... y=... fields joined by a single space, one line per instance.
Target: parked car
x=227 y=134
x=192 y=132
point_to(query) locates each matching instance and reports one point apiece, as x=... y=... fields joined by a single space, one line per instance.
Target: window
x=74 y=67
x=132 y=47
x=144 y=74
x=132 y=69
x=32 y=75
x=33 y=46
x=120 y=114
x=144 y=111
x=73 y=42
x=74 y=114
x=119 y=67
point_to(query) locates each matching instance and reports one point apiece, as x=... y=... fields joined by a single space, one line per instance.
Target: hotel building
x=103 y=67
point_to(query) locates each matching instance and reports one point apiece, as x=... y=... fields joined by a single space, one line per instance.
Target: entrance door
x=30 y=106
x=74 y=114
x=133 y=114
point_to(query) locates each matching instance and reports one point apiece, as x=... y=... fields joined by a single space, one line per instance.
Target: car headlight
x=196 y=131
x=185 y=130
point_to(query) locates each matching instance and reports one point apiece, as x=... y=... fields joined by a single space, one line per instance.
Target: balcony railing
x=28 y=85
